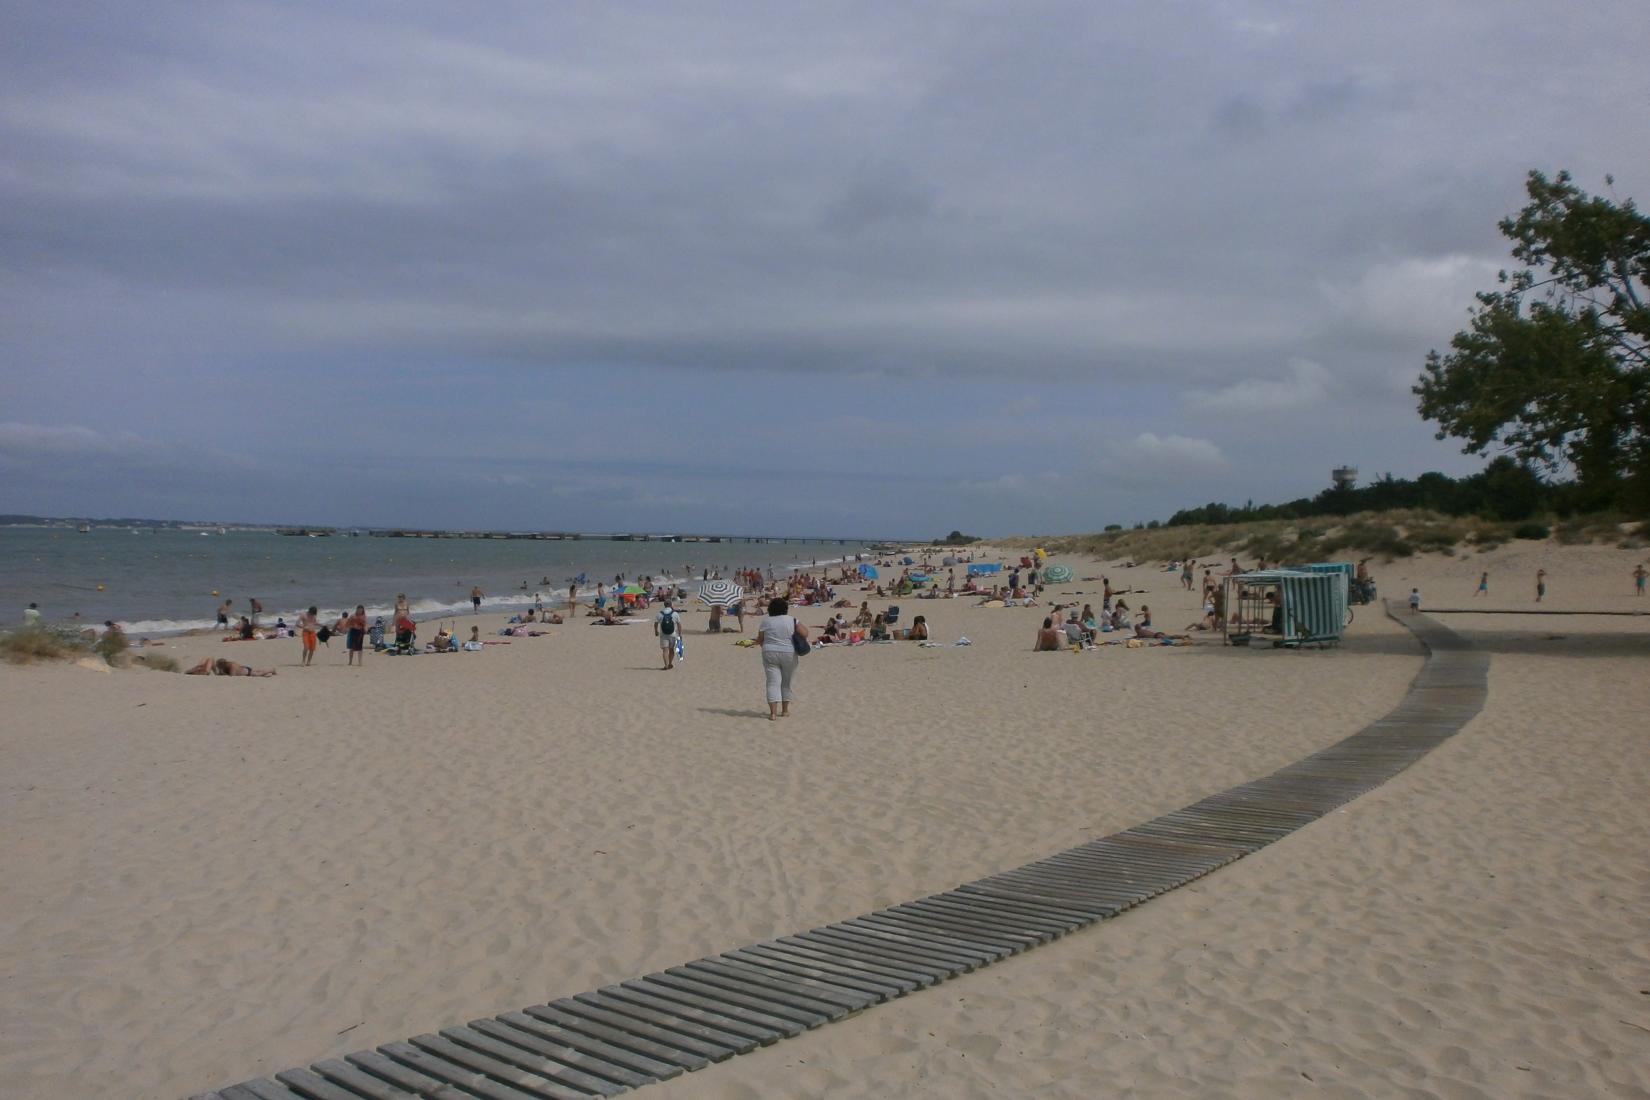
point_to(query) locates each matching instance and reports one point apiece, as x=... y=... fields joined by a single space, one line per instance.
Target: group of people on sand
x=1082 y=629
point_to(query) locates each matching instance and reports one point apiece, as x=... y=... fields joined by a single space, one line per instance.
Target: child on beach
x=1638 y=580
x=309 y=625
x=1415 y=599
x=1540 y=584
x=355 y=635
x=1483 y=585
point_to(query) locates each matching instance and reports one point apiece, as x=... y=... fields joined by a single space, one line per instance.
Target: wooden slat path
x=656 y=1027
x=1527 y=611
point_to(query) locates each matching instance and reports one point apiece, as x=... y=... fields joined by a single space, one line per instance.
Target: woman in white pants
x=779 y=656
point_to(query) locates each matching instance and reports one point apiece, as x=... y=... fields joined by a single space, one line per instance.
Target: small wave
x=149 y=627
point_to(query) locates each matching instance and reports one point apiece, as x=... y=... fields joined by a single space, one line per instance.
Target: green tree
x=1555 y=367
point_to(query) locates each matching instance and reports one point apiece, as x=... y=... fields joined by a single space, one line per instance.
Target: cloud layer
x=749 y=264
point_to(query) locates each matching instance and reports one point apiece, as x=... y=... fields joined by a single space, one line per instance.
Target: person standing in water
x=475 y=599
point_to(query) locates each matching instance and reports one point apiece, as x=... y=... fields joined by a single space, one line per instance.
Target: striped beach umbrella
x=720 y=593
x=1057 y=574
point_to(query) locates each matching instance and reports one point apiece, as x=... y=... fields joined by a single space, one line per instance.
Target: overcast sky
x=879 y=269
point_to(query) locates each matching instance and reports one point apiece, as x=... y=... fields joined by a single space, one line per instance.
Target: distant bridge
x=575 y=536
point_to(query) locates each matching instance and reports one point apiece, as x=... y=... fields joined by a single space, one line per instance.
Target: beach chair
x=892 y=616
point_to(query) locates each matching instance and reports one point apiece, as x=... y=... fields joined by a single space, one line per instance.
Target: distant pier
x=574 y=536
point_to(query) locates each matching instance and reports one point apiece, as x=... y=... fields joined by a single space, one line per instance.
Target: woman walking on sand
x=779 y=658
x=1483 y=585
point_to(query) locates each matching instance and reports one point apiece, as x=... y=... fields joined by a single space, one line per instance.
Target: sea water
x=167 y=581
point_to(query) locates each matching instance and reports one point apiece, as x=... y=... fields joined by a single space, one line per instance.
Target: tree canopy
x=1555 y=368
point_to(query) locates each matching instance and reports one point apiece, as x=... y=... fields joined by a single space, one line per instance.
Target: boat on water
x=84 y=528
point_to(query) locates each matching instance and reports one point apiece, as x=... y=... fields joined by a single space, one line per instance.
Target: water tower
x=1344 y=476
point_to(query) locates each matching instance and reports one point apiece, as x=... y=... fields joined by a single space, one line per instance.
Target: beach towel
x=962 y=641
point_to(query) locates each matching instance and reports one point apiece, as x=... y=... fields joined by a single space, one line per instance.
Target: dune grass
x=41 y=643
x=1381 y=535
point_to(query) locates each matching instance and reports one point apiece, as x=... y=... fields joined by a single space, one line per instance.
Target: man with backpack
x=667 y=627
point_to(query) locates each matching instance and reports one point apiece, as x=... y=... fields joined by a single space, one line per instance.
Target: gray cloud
x=315 y=221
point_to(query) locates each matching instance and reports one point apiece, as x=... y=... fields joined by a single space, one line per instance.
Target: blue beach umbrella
x=869 y=572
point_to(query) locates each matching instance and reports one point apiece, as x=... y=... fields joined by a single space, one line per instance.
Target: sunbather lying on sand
x=1144 y=628
x=223 y=666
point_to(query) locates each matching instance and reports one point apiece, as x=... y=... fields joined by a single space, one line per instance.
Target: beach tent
x=920 y=578
x=1057 y=574
x=1343 y=569
x=908 y=560
x=1291 y=607
x=948 y=560
x=869 y=572
x=980 y=567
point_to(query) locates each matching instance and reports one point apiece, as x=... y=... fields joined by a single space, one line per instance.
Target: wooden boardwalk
x=623 y=1036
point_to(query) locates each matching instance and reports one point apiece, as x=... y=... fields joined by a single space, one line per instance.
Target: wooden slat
x=879 y=989
x=731 y=993
x=454 y=1074
x=374 y=1063
x=259 y=1088
x=809 y=988
x=533 y=1083
x=676 y=1040
x=524 y=1059
x=726 y=1040
x=941 y=965
x=725 y=1021
x=363 y=1084
x=596 y=1048
x=752 y=1013
x=572 y=1057
x=311 y=1087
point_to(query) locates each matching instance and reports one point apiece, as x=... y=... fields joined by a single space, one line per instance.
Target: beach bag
x=799 y=643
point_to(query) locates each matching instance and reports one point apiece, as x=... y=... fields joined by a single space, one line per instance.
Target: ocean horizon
x=166 y=581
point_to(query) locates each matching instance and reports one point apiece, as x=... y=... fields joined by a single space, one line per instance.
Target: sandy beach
x=208 y=879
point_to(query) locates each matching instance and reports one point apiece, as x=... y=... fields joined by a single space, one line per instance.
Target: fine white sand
x=208 y=879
